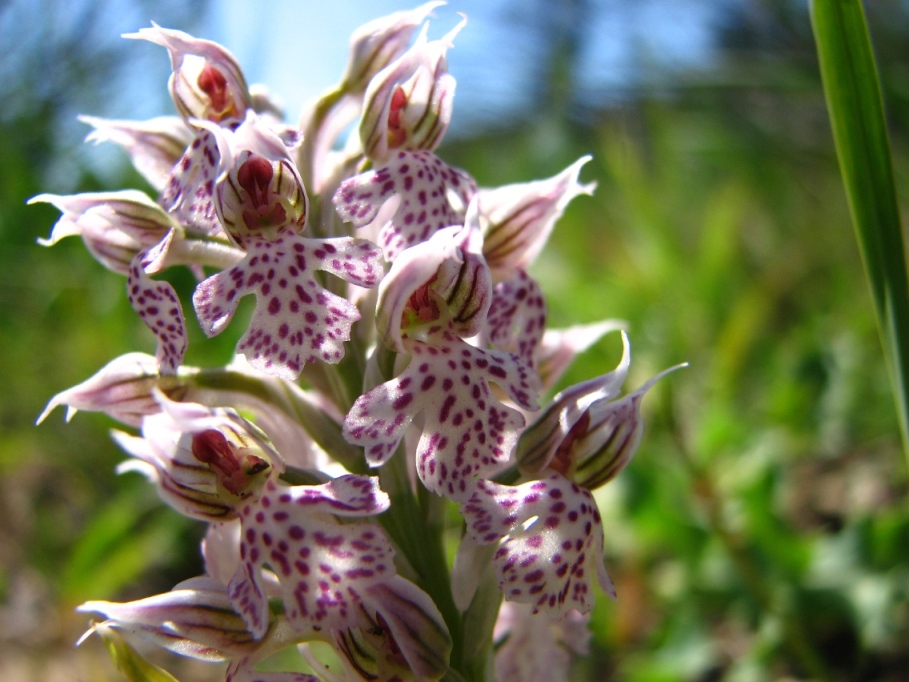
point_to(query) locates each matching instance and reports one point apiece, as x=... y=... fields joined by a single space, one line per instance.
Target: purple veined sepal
x=205 y=462
x=443 y=280
x=194 y=619
x=586 y=433
x=407 y=104
x=154 y=146
x=207 y=82
x=605 y=438
x=559 y=347
x=535 y=647
x=518 y=219
x=549 y=541
x=262 y=204
x=115 y=226
x=123 y=389
x=430 y=196
x=466 y=430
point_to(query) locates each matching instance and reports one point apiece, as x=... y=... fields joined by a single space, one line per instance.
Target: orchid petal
x=517 y=317
x=198 y=621
x=465 y=431
x=408 y=103
x=433 y=195
x=159 y=308
x=320 y=563
x=189 y=191
x=297 y=320
x=379 y=42
x=115 y=226
x=559 y=347
x=550 y=542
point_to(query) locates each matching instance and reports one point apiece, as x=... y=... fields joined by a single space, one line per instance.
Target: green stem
x=422 y=546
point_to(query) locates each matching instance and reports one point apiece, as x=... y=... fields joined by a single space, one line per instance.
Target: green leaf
x=856 y=109
x=128 y=660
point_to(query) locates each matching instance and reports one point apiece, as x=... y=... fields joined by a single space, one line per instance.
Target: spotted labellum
x=388 y=396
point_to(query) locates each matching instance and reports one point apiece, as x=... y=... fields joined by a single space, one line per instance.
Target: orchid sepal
x=518 y=219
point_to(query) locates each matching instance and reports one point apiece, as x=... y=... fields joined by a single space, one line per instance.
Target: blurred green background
x=762 y=532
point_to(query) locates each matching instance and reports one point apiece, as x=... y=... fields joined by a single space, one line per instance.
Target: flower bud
x=408 y=103
x=377 y=43
x=206 y=83
x=603 y=439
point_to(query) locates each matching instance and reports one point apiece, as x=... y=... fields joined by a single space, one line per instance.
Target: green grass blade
x=856 y=109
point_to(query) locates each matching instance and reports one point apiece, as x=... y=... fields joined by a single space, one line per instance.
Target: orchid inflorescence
x=379 y=377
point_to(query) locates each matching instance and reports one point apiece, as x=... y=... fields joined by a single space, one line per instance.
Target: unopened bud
x=206 y=83
x=408 y=103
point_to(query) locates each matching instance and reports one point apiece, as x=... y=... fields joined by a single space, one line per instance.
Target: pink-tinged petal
x=158 y=306
x=466 y=432
x=206 y=83
x=154 y=146
x=541 y=440
x=244 y=670
x=320 y=563
x=297 y=320
x=115 y=226
x=377 y=43
x=195 y=619
x=122 y=389
x=433 y=195
x=517 y=317
x=408 y=103
x=603 y=441
x=189 y=191
x=536 y=648
x=559 y=347
x=550 y=542
x=518 y=218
